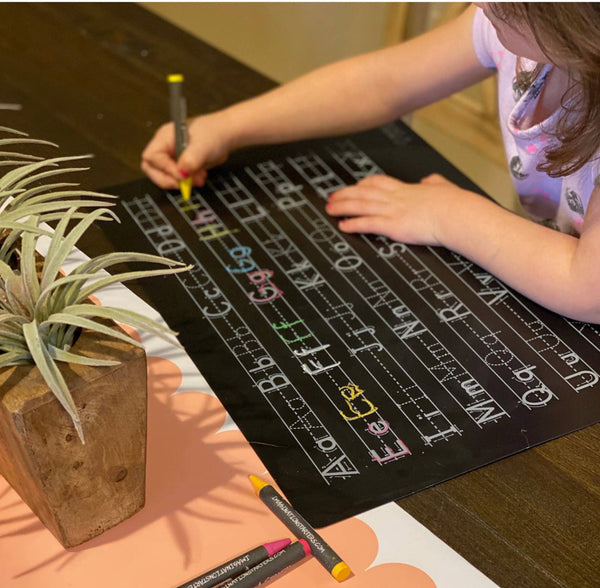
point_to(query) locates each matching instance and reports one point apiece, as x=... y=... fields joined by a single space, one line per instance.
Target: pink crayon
x=265 y=570
x=237 y=565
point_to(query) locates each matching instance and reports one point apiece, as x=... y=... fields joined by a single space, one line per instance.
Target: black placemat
x=359 y=369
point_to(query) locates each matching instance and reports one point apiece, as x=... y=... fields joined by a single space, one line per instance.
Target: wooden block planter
x=78 y=491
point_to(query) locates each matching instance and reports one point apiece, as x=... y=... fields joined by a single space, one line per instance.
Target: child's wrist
x=451 y=215
x=237 y=132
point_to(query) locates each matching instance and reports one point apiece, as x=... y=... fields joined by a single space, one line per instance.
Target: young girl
x=547 y=58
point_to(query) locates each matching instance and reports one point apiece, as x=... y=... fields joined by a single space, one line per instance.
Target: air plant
x=42 y=311
x=22 y=194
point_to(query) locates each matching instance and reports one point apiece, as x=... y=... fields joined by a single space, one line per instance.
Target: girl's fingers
x=360 y=200
x=434 y=179
x=373 y=187
x=161 y=179
x=359 y=192
x=380 y=181
x=162 y=162
x=199 y=178
x=365 y=224
x=166 y=174
x=356 y=207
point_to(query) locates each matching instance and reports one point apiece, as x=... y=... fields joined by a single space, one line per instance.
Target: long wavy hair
x=568 y=33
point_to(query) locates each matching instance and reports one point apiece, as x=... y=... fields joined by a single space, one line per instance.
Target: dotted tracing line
x=544 y=330
x=273 y=306
x=149 y=204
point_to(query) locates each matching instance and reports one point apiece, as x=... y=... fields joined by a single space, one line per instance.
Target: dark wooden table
x=91 y=77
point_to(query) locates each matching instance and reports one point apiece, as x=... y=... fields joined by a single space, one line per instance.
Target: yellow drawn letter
x=353 y=395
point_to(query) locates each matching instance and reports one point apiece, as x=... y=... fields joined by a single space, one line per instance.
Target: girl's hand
x=410 y=213
x=208 y=146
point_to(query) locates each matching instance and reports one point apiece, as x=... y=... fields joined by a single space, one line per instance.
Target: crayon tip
x=185 y=187
x=257 y=483
x=340 y=571
x=306 y=546
x=275 y=546
x=174 y=78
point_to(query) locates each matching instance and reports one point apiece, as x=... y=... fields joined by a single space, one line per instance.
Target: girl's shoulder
x=594 y=170
x=488 y=48
x=579 y=186
x=589 y=173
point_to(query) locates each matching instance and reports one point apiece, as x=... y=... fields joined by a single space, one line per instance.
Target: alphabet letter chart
x=360 y=369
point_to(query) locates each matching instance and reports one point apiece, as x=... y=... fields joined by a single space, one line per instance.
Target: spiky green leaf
x=13 y=131
x=68 y=357
x=103 y=262
x=86 y=292
x=16 y=176
x=69 y=318
x=32 y=197
x=29 y=276
x=46 y=207
x=27 y=156
x=51 y=373
x=120 y=315
x=13 y=358
x=43 y=175
x=44 y=307
x=63 y=245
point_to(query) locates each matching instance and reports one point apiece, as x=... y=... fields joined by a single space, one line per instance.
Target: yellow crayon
x=185 y=187
x=284 y=511
x=178 y=116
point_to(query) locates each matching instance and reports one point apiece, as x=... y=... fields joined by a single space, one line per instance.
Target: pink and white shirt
x=557 y=202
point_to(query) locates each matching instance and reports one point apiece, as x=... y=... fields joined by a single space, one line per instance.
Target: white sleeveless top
x=557 y=202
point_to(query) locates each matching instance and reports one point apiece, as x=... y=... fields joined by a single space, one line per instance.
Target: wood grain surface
x=91 y=77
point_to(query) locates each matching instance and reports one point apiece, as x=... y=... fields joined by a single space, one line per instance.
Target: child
x=550 y=116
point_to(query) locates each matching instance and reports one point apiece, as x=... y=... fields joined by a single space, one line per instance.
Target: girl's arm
x=365 y=91
x=347 y=96
x=558 y=271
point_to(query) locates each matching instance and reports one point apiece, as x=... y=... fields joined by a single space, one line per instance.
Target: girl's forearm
x=328 y=101
x=361 y=92
x=549 y=267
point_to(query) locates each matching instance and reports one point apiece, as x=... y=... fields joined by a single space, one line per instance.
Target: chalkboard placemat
x=360 y=370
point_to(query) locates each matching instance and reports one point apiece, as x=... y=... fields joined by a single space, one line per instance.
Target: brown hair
x=568 y=33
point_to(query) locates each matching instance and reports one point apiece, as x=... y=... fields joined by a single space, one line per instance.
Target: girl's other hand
x=382 y=205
